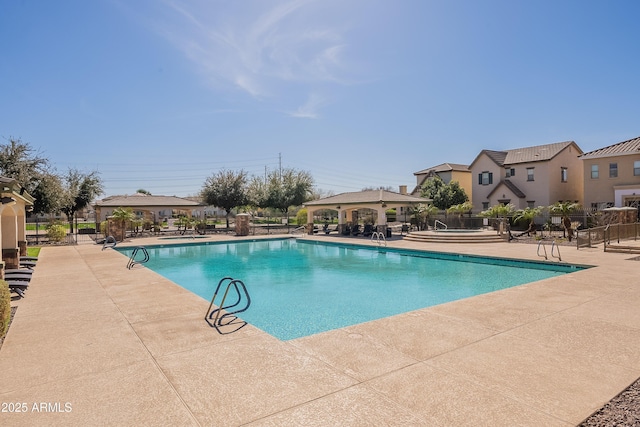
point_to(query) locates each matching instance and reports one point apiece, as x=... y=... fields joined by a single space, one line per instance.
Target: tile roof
x=631 y=146
x=140 y=200
x=369 y=196
x=536 y=153
x=444 y=167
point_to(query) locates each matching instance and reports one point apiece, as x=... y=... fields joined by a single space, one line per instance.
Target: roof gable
x=511 y=186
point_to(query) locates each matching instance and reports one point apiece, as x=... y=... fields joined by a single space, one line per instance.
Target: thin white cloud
x=264 y=50
x=309 y=110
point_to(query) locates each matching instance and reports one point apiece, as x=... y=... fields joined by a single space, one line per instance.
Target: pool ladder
x=554 y=248
x=228 y=318
x=109 y=242
x=379 y=237
x=134 y=254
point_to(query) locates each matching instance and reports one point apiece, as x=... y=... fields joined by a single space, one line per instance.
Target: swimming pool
x=300 y=288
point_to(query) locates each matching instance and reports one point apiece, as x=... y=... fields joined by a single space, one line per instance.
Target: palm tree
x=564 y=209
x=122 y=216
x=460 y=209
x=422 y=212
x=528 y=214
x=500 y=212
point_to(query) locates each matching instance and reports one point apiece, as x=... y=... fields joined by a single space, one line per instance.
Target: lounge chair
x=356 y=230
x=17 y=276
x=29 y=258
x=346 y=231
x=18 y=271
x=18 y=287
x=368 y=230
x=327 y=230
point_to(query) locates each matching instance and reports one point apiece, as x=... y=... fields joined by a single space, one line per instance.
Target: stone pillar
x=11 y=258
x=22 y=245
x=242 y=224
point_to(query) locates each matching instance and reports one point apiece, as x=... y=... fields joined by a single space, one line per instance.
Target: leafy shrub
x=103 y=227
x=56 y=232
x=5 y=307
x=301 y=217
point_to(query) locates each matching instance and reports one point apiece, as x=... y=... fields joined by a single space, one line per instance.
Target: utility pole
x=280 y=163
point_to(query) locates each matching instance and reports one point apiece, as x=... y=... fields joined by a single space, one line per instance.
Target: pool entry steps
x=134 y=254
x=229 y=318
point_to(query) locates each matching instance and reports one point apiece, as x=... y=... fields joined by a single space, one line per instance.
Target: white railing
x=435 y=225
x=379 y=237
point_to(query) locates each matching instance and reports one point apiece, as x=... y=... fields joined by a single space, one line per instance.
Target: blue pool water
x=300 y=288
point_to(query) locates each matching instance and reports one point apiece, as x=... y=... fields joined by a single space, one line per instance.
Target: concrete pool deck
x=96 y=343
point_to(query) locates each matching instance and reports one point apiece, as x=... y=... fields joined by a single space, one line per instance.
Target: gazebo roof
x=145 y=200
x=369 y=197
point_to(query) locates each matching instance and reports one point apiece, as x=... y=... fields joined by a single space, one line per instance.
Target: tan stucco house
x=153 y=208
x=528 y=177
x=612 y=175
x=447 y=172
x=15 y=203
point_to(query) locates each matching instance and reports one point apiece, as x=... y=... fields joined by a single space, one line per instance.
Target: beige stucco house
x=153 y=208
x=528 y=177
x=447 y=172
x=15 y=203
x=612 y=175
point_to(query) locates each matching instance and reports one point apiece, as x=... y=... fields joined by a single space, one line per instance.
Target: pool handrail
x=435 y=225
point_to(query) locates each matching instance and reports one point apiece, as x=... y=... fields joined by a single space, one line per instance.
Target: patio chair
x=368 y=230
x=17 y=276
x=18 y=287
x=356 y=230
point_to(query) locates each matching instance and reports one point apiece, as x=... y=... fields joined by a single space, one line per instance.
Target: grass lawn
x=33 y=251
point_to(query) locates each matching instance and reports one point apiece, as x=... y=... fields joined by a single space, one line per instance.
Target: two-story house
x=447 y=172
x=612 y=175
x=528 y=177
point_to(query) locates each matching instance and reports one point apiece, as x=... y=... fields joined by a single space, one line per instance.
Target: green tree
x=443 y=195
x=226 y=189
x=564 y=209
x=288 y=188
x=21 y=162
x=18 y=160
x=79 y=190
x=48 y=194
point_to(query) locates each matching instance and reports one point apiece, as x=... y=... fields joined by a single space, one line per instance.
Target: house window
x=613 y=170
x=485 y=206
x=564 y=176
x=485 y=178
x=529 y=174
x=636 y=168
x=531 y=204
x=594 y=172
x=510 y=172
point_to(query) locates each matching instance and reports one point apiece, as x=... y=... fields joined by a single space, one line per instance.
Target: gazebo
x=347 y=205
x=15 y=202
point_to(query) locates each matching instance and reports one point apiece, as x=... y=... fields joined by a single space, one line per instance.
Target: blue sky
x=160 y=94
